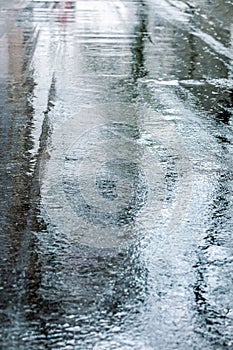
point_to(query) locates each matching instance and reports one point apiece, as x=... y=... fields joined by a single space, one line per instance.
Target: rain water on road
x=116 y=174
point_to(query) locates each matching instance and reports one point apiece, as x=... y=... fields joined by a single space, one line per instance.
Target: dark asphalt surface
x=116 y=174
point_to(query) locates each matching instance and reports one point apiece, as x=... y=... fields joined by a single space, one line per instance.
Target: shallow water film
x=116 y=191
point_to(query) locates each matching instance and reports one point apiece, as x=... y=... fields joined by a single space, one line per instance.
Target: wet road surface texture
x=116 y=174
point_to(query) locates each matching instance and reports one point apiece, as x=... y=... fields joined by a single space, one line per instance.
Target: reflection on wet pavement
x=116 y=174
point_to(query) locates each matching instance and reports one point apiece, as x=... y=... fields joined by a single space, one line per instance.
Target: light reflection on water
x=166 y=70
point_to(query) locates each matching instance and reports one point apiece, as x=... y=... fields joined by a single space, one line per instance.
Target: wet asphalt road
x=116 y=174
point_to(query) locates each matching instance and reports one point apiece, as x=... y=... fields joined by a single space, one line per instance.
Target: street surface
x=116 y=191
